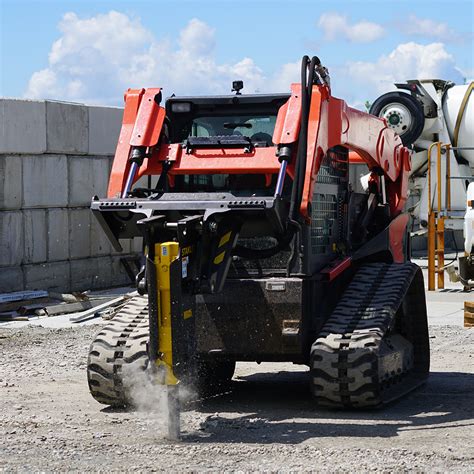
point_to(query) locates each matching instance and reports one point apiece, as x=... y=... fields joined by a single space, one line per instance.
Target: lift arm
x=332 y=122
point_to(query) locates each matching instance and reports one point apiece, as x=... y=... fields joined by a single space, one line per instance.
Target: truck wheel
x=403 y=113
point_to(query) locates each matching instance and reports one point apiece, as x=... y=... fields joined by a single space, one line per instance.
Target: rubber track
x=122 y=344
x=344 y=358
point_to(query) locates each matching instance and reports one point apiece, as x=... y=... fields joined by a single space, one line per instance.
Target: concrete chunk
x=11 y=238
x=10 y=182
x=79 y=233
x=11 y=279
x=48 y=276
x=87 y=177
x=23 y=126
x=67 y=128
x=45 y=182
x=104 y=129
x=58 y=234
x=35 y=236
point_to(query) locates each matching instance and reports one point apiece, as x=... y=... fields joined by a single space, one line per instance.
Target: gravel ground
x=49 y=422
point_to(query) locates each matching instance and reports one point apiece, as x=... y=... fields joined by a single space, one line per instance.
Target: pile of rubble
x=80 y=306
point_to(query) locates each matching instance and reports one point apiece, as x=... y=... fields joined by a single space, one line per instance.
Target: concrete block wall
x=54 y=156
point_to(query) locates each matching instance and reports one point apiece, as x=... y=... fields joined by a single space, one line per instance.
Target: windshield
x=251 y=126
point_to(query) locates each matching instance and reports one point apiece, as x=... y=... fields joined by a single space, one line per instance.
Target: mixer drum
x=458 y=109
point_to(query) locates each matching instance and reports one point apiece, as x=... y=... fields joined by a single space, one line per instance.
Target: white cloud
x=197 y=38
x=428 y=28
x=406 y=61
x=335 y=25
x=96 y=59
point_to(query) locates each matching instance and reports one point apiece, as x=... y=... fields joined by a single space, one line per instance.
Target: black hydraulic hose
x=304 y=100
x=307 y=80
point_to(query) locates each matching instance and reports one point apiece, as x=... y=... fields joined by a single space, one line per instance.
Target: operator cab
x=221 y=120
x=234 y=121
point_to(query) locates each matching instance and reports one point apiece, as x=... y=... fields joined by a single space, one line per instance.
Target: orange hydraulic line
x=438 y=177
x=429 y=175
x=431 y=227
x=431 y=251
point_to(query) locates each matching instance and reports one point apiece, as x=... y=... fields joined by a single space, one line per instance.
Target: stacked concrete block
x=23 y=127
x=54 y=156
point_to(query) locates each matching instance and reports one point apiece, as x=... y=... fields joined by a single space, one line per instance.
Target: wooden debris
x=15 y=305
x=28 y=309
x=12 y=316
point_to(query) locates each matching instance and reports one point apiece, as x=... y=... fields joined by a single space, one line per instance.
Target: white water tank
x=458 y=106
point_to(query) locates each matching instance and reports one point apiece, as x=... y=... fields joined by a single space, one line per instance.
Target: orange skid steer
x=257 y=248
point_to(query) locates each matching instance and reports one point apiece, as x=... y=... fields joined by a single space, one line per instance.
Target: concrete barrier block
x=100 y=244
x=101 y=170
x=118 y=276
x=48 y=276
x=11 y=238
x=85 y=273
x=23 y=127
x=67 y=128
x=136 y=245
x=58 y=234
x=11 y=279
x=87 y=177
x=35 y=236
x=126 y=245
x=10 y=182
x=103 y=276
x=79 y=233
x=104 y=129
x=45 y=181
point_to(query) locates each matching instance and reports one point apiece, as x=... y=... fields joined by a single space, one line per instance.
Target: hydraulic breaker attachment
x=171 y=323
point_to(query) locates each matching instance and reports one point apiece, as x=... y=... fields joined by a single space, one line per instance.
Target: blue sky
x=103 y=47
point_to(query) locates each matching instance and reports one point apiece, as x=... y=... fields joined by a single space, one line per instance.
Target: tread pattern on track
x=122 y=344
x=345 y=357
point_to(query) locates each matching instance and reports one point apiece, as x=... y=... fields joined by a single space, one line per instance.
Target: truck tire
x=404 y=115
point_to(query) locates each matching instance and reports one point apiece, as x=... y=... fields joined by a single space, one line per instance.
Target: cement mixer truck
x=435 y=118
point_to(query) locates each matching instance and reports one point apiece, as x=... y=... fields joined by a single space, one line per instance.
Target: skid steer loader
x=256 y=248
